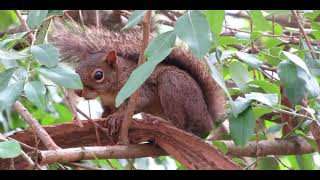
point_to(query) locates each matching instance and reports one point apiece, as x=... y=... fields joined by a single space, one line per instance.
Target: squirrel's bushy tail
x=213 y=94
x=75 y=42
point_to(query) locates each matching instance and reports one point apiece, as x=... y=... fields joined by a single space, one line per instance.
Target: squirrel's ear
x=111 y=57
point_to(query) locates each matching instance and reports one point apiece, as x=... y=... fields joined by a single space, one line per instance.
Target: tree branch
x=293 y=146
x=107 y=152
x=40 y=132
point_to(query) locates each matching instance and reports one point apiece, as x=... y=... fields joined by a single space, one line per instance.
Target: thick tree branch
x=190 y=150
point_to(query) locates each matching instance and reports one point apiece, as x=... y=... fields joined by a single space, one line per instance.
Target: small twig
x=295 y=15
x=96 y=125
x=133 y=99
x=24 y=24
x=72 y=107
x=40 y=132
x=131 y=165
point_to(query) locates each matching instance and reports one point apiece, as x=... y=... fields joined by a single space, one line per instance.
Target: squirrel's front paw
x=113 y=123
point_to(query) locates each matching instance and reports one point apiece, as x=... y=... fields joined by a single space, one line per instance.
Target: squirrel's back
x=75 y=42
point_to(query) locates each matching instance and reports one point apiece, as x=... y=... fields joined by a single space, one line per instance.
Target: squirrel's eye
x=98 y=75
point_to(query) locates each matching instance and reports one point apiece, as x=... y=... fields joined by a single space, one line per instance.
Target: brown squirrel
x=180 y=90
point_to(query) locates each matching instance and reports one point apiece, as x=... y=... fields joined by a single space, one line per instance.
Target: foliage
x=250 y=63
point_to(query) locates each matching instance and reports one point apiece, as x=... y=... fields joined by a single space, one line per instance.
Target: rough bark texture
x=190 y=150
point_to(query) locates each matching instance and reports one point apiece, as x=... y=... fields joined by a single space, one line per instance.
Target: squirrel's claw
x=113 y=123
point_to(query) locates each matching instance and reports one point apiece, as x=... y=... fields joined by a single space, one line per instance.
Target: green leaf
x=35 y=91
x=5 y=77
x=10 y=94
x=193 y=28
x=8 y=18
x=240 y=75
x=158 y=50
x=42 y=33
x=294 y=85
x=12 y=55
x=46 y=54
x=62 y=76
x=226 y=40
x=134 y=19
x=268 y=163
x=215 y=19
x=297 y=60
x=275 y=128
x=242 y=127
x=268 y=99
x=224 y=55
x=266 y=86
x=306 y=162
x=160 y=47
x=221 y=146
x=55 y=13
x=35 y=18
x=250 y=59
x=9 y=149
x=135 y=80
x=260 y=111
x=240 y=105
x=259 y=21
x=314 y=66
x=215 y=74
x=12 y=39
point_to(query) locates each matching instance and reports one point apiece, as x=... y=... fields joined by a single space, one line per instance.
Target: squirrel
x=180 y=89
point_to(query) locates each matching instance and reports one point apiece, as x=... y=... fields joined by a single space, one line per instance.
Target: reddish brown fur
x=180 y=89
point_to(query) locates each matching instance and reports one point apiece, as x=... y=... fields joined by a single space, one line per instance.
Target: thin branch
x=292 y=146
x=24 y=24
x=107 y=152
x=40 y=132
x=134 y=98
x=70 y=103
x=295 y=15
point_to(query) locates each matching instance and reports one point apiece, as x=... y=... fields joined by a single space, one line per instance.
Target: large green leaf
x=268 y=163
x=266 y=86
x=12 y=55
x=62 y=76
x=259 y=21
x=268 y=99
x=294 y=85
x=8 y=18
x=12 y=39
x=240 y=75
x=5 y=77
x=35 y=18
x=55 y=12
x=242 y=127
x=306 y=162
x=215 y=19
x=134 y=19
x=193 y=28
x=10 y=94
x=135 y=80
x=160 y=47
x=249 y=59
x=9 y=149
x=297 y=60
x=35 y=91
x=46 y=54
x=240 y=105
